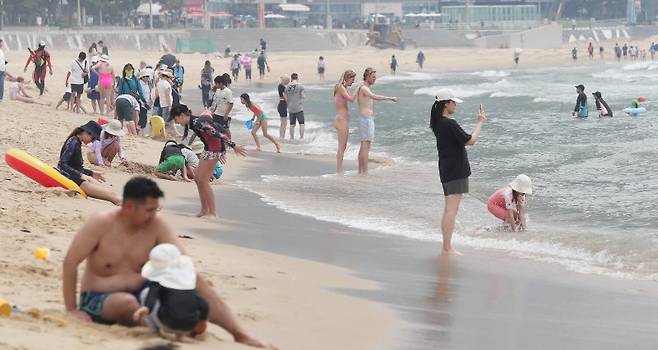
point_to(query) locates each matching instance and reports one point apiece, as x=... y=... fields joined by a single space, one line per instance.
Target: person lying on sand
x=71 y=163
x=116 y=245
x=17 y=92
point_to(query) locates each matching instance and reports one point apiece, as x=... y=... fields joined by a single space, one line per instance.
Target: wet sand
x=482 y=299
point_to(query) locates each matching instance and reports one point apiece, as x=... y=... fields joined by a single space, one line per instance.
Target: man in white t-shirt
x=76 y=77
x=222 y=102
x=164 y=93
x=3 y=70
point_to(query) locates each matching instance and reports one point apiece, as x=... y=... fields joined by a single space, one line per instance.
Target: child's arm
x=67 y=79
x=522 y=222
x=187 y=179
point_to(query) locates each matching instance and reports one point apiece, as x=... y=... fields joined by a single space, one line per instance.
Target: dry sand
x=282 y=300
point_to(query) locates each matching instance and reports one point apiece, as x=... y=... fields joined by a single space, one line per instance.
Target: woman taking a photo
x=214 y=149
x=454 y=169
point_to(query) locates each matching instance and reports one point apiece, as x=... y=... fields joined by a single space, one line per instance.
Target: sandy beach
x=294 y=281
x=284 y=300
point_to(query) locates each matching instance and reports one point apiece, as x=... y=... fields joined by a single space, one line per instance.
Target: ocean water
x=595 y=180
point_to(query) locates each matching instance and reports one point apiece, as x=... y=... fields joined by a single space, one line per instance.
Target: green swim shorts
x=172 y=163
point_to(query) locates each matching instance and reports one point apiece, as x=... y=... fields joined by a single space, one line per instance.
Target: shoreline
x=484 y=297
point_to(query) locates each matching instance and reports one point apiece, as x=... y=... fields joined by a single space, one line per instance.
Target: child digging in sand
x=508 y=203
x=176 y=159
x=170 y=302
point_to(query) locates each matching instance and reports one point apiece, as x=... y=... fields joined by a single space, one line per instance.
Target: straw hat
x=114 y=128
x=169 y=268
x=167 y=72
x=104 y=58
x=522 y=184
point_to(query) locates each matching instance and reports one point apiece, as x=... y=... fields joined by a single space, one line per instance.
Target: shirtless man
x=366 y=119
x=116 y=245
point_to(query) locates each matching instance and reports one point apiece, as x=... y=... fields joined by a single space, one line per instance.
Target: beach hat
x=522 y=184
x=146 y=72
x=104 y=58
x=169 y=268
x=94 y=59
x=92 y=128
x=580 y=86
x=167 y=72
x=447 y=95
x=42 y=43
x=114 y=128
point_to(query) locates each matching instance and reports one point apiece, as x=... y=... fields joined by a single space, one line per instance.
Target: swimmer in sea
x=508 y=203
x=602 y=106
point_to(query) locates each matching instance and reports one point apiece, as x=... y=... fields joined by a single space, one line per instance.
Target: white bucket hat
x=114 y=128
x=169 y=268
x=522 y=184
x=447 y=95
x=104 y=58
x=146 y=72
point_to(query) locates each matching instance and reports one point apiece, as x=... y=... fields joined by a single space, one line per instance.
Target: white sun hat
x=447 y=95
x=522 y=184
x=114 y=128
x=169 y=268
x=104 y=58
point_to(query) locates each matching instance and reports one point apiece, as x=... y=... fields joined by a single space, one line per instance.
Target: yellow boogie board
x=39 y=171
x=158 y=128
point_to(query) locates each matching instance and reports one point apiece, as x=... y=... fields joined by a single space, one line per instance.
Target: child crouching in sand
x=103 y=151
x=170 y=302
x=176 y=159
x=508 y=203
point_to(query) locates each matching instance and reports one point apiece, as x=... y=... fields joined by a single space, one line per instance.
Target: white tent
x=143 y=9
x=275 y=15
x=294 y=8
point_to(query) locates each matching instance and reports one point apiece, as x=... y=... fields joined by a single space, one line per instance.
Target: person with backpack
x=41 y=59
x=77 y=76
x=174 y=158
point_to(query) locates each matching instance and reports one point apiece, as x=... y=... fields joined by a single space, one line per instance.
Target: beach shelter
x=143 y=9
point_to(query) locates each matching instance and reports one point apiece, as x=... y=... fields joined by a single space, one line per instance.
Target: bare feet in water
x=451 y=252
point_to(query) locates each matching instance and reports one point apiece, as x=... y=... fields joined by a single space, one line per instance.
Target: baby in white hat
x=170 y=303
